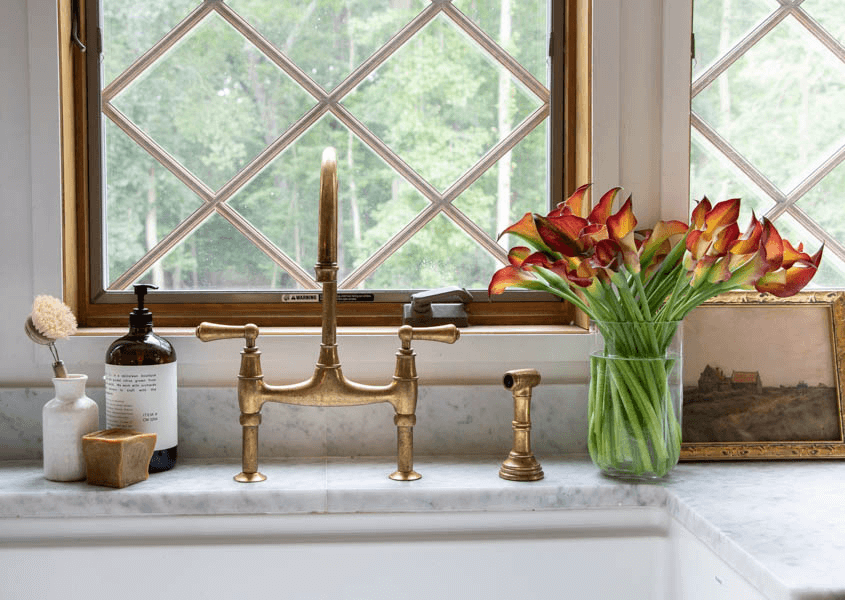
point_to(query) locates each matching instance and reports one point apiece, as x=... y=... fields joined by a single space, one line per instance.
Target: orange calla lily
x=786 y=282
x=772 y=243
x=620 y=227
x=701 y=209
x=511 y=276
x=526 y=230
x=573 y=204
x=663 y=233
x=518 y=254
x=602 y=210
x=750 y=241
x=668 y=269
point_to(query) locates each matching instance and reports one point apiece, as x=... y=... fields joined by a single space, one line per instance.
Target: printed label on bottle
x=143 y=398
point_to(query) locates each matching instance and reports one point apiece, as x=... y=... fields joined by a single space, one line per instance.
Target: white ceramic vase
x=65 y=419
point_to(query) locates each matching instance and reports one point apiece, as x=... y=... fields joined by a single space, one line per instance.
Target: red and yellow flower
x=667 y=270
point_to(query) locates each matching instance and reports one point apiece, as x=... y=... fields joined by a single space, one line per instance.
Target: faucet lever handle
x=208 y=332
x=448 y=334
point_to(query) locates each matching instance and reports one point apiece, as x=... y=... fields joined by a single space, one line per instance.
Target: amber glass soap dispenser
x=141 y=384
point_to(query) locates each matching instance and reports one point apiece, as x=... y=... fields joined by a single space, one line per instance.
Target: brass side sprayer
x=520 y=465
x=327 y=386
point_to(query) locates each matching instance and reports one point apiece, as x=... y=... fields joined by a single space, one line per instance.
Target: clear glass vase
x=635 y=396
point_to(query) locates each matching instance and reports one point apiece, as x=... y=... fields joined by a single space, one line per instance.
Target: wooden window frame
x=570 y=125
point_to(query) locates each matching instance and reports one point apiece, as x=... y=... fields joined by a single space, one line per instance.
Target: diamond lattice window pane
x=831 y=273
x=720 y=24
x=214 y=101
x=520 y=30
x=780 y=105
x=132 y=28
x=830 y=14
x=216 y=256
x=714 y=176
x=444 y=134
x=512 y=187
x=327 y=39
x=824 y=203
x=144 y=202
x=374 y=202
x=440 y=254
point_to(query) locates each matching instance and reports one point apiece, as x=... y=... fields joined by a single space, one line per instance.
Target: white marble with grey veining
x=450 y=420
x=778 y=524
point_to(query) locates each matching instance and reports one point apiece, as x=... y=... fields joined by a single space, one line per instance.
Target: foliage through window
x=215 y=115
x=767 y=120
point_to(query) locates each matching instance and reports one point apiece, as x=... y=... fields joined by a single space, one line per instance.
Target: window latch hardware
x=74 y=26
x=422 y=311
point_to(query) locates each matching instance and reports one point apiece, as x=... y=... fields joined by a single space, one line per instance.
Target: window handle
x=74 y=26
x=423 y=309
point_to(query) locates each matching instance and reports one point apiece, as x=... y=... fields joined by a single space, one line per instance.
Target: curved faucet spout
x=326 y=267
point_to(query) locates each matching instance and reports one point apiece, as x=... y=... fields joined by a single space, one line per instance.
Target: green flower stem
x=632 y=399
x=642 y=296
x=676 y=254
x=639 y=397
x=658 y=294
x=621 y=436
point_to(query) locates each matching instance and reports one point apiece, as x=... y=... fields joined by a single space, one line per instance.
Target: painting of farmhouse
x=759 y=373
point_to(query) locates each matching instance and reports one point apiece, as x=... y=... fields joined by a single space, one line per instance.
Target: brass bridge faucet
x=327 y=386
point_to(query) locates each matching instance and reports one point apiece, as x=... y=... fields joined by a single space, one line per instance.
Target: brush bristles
x=53 y=318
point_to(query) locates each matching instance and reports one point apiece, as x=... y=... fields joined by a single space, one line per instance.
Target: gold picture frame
x=763 y=391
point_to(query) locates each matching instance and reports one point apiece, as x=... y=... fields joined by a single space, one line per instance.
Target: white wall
x=641 y=93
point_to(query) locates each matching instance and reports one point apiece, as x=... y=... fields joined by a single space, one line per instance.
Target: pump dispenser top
x=141 y=317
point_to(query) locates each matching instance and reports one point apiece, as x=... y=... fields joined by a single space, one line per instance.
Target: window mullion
x=831 y=243
x=288 y=137
x=266 y=246
x=817 y=175
x=151 y=55
x=730 y=57
x=820 y=33
x=475 y=232
x=384 y=151
x=269 y=50
x=737 y=159
x=157 y=152
x=504 y=146
x=379 y=256
x=497 y=52
x=383 y=53
x=163 y=247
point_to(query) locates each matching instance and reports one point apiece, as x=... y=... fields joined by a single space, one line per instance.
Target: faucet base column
x=250 y=477
x=405 y=449
x=250 y=474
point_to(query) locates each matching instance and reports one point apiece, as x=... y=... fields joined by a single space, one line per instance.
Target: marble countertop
x=781 y=520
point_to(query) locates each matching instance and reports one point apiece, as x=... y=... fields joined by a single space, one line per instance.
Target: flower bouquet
x=637 y=286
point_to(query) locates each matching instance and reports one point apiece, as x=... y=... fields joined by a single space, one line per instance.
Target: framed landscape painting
x=763 y=377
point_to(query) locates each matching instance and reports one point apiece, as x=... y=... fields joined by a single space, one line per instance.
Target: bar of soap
x=117 y=457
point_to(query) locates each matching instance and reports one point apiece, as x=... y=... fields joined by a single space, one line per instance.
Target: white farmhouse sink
x=582 y=554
